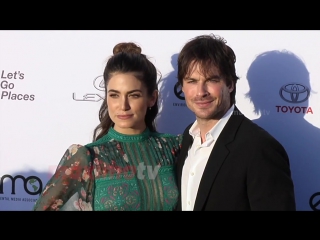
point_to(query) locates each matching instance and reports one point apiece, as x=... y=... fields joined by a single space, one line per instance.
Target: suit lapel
x=186 y=143
x=218 y=155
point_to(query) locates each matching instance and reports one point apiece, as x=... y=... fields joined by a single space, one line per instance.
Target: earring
x=149 y=108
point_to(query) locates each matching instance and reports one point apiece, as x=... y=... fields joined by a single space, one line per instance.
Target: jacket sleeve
x=270 y=186
x=70 y=188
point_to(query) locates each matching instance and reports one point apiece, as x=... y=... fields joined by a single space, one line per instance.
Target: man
x=227 y=163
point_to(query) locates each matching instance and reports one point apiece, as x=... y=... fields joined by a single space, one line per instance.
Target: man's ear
x=181 y=87
x=231 y=87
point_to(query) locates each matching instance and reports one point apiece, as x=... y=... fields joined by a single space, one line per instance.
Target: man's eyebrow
x=214 y=77
x=209 y=78
x=190 y=78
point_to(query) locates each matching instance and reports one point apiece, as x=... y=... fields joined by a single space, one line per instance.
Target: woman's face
x=128 y=101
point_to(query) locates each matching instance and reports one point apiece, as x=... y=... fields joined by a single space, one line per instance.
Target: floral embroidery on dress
x=115 y=173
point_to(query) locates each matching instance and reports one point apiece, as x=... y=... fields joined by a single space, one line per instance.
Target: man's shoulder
x=257 y=133
x=186 y=130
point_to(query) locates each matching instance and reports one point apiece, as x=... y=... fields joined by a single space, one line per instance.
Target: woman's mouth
x=124 y=117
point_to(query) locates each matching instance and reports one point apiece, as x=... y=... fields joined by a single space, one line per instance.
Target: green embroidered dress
x=115 y=173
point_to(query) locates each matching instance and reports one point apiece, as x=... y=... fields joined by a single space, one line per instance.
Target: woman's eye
x=113 y=95
x=134 y=95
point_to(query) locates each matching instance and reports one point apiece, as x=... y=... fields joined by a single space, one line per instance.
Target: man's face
x=208 y=97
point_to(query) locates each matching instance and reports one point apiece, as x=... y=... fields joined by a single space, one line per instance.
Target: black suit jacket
x=248 y=169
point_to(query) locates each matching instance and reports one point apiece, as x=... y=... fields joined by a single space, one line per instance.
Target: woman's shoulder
x=176 y=137
x=76 y=151
x=164 y=134
x=75 y=148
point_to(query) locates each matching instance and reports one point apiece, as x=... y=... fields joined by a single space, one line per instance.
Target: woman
x=129 y=165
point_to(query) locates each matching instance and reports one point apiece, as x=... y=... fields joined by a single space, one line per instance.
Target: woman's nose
x=125 y=104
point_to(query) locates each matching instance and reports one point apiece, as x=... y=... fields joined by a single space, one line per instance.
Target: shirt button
x=189 y=202
x=192 y=173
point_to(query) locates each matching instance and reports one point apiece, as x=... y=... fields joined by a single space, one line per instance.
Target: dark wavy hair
x=209 y=50
x=127 y=57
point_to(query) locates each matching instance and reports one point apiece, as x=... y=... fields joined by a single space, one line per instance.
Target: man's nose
x=202 y=89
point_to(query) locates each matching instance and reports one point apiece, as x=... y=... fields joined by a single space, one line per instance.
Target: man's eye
x=191 y=81
x=213 y=80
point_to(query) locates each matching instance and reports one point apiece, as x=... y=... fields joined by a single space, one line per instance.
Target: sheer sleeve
x=70 y=188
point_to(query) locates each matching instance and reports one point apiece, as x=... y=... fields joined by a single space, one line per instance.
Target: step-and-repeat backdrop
x=50 y=94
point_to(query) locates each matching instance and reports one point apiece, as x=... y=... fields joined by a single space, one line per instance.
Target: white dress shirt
x=196 y=160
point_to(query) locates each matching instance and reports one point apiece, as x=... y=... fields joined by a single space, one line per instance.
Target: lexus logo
x=98 y=83
x=294 y=93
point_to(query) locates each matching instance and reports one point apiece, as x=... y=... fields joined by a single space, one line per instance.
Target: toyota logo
x=294 y=93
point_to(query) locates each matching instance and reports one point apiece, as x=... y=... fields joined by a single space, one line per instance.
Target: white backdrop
x=50 y=98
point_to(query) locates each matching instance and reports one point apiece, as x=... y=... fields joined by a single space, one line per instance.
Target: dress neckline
x=114 y=135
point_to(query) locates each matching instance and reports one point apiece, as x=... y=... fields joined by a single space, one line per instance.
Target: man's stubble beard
x=218 y=112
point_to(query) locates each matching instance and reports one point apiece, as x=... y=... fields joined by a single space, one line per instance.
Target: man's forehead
x=206 y=71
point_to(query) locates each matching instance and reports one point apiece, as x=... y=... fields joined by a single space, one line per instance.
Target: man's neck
x=205 y=126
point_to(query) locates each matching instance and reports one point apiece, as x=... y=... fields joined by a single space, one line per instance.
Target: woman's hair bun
x=128 y=47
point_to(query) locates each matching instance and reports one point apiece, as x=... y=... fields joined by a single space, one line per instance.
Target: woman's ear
x=153 y=98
